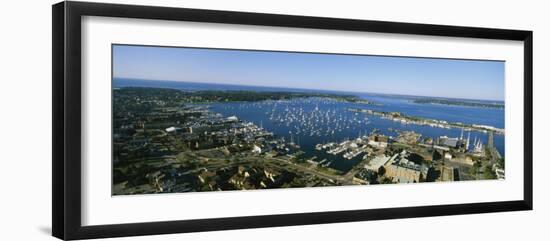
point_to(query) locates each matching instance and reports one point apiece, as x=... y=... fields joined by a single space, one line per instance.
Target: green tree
x=501 y=162
x=475 y=169
x=381 y=171
x=488 y=172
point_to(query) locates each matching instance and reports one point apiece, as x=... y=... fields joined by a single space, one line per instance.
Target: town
x=168 y=140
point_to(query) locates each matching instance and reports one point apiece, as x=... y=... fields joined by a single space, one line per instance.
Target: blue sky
x=471 y=79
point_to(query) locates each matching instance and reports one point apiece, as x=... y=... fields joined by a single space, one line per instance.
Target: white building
x=171 y=129
x=256 y=149
x=378 y=144
x=232 y=118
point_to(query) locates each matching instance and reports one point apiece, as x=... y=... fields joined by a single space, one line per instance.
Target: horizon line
x=193 y=82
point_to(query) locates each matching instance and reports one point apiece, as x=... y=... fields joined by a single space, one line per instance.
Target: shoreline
x=400 y=117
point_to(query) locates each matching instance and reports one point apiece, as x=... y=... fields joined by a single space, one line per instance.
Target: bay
x=310 y=121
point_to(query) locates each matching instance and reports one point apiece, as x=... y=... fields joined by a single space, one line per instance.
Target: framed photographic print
x=170 y=120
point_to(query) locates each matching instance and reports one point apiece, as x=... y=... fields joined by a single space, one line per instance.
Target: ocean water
x=311 y=121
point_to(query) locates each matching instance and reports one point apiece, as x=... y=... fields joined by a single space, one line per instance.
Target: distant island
x=248 y=95
x=220 y=96
x=459 y=103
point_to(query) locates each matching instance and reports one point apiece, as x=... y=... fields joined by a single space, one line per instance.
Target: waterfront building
x=378 y=161
x=403 y=174
x=449 y=141
x=378 y=141
x=401 y=170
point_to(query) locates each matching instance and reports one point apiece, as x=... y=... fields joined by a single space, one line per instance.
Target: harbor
x=226 y=140
x=312 y=121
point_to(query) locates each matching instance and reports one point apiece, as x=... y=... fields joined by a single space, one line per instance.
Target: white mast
x=468 y=141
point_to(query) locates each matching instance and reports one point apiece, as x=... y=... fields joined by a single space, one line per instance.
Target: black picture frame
x=66 y=128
